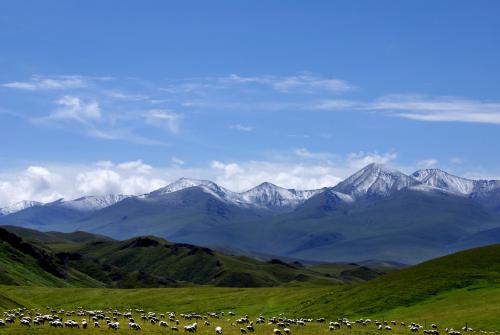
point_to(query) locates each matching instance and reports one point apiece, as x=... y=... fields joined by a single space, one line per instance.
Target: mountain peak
x=375 y=179
x=92 y=202
x=18 y=206
x=444 y=180
x=271 y=196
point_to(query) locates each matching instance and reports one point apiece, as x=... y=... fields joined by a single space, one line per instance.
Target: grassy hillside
x=452 y=290
x=86 y=260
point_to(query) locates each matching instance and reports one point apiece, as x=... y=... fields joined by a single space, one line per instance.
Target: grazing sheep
x=96 y=324
x=276 y=331
x=56 y=324
x=2 y=322
x=388 y=328
x=287 y=331
x=163 y=324
x=174 y=329
x=133 y=325
x=243 y=330
x=114 y=325
x=250 y=328
x=218 y=330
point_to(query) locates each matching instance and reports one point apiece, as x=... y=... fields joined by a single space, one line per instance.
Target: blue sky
x=124 y=96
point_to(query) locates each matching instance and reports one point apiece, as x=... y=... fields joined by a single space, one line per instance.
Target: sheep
x=250 y=328
x=287 y=331
x=25 y=322
x=276 y=331
x=163 y=324
x=191 y=328
x=218 y=330
x=134 y=326
x=114 y=325
x=243 y=330
x=96 y=324
x=2 y=322
x=388 y=328
x=174 y=329
x=56 y=324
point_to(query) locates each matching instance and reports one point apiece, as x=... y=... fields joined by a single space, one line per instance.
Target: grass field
x=479 y=307
x=450 y=291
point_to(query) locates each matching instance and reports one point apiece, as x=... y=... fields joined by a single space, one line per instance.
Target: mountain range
x=377 y=213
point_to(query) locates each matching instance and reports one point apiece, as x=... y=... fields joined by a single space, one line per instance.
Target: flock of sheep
x=212 y=322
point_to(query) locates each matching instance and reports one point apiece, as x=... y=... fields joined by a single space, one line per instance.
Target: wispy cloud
x=164 y=119
x=241 y=127
x=427 y=163
x=305 y=82
x=439 y=109
x=422 y=108
x=305 y=153
x=41 y=83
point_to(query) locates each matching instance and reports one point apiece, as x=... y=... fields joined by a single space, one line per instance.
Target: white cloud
x=53 y=181
x=241 y=127
x=74 y=108
x=438 y=109
x=177 y=161
x=361 y=159
x=456 y=160
x=40 y=83
x=137 y=166
x=34 y=183
x=305 y=82
x=427 y=163
x=164 y=119
x=304 y=153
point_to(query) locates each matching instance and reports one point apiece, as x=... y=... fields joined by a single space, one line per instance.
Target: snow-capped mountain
x=265 y=195
x=271 y=196
x=372 y=180
x=443 y=180
x=93 y=203
x=206 y=185
x=375 y=179
x=18 y=206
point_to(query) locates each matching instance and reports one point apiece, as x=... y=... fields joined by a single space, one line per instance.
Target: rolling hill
x=81 y=259
x=451 y=290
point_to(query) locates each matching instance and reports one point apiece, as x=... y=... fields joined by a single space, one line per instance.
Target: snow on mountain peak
x=18 y=206
x=206 y=185
x=375 y=179
x=444 y=180
x=92 y=203
x=270 y=195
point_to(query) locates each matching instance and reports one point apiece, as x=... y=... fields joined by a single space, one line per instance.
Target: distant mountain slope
x=375 y=180
x=19 y=206
x=85 y=260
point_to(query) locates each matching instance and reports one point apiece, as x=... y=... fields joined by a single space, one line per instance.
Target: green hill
x=451 y=290
x=86 y=260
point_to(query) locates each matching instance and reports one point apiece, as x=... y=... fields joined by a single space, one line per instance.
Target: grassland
x=452 y=290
